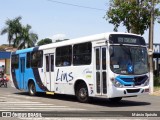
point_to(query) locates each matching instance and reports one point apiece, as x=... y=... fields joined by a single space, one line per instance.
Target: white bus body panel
x=65 y=78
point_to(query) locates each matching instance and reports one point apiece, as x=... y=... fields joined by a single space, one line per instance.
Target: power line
x=69 y=4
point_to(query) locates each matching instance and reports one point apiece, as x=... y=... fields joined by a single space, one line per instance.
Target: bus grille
x=140 y=80
x=133 y=90
x=137 y=80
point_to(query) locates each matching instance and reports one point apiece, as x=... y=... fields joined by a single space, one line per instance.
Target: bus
x=111 y=65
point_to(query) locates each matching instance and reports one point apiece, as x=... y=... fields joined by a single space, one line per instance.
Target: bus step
x=50 y=93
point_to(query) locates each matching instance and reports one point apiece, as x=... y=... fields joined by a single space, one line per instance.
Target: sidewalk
x=156 y=93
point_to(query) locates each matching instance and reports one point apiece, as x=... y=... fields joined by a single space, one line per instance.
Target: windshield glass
x=128 y=59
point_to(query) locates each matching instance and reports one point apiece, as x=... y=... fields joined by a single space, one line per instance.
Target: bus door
x=22 y=72
x=101 y=70
x=49 y=71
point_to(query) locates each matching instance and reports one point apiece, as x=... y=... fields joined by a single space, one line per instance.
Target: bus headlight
x=146 y=83
x=116 y=83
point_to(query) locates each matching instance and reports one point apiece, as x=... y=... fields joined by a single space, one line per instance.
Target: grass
x=156 y=88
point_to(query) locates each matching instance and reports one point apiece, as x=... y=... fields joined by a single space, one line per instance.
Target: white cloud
x=58 y=37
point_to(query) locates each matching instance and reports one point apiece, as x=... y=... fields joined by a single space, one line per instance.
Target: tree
x=133 y=14
x=12 y=28
x=26 y=38
x=19 y=35
x=44 y=41
x=58 y=40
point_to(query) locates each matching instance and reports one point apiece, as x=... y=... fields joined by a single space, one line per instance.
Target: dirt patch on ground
x=156 y=92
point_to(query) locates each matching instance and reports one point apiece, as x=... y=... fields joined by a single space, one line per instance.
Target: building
x=5 y=61
x=156 y=59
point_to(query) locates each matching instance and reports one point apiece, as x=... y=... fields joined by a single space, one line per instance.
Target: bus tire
x=32 y=89
x=116 y=99
x=82 y=93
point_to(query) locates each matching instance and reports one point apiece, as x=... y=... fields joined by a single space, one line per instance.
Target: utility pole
x=151 y=32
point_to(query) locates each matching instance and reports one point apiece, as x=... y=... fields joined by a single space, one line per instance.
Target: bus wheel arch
x=31 y=88
x=81 y=91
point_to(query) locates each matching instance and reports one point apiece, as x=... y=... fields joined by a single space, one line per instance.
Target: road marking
x=26 y=109
x=2 y=97
x=31 y=107
x=36 y=106
x=20 y=96
x=16 y=103
x=76 y=118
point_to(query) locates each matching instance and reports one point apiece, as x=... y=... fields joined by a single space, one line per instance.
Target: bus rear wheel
x=116 y=99
x=82 y=93
x=32 y=89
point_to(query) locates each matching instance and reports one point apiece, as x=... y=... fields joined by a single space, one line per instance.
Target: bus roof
x=23 y=51
x=102 y=36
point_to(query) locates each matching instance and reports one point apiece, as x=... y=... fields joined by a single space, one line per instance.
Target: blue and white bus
x=111 y=65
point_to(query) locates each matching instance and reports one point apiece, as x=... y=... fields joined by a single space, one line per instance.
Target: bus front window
x=128 y=59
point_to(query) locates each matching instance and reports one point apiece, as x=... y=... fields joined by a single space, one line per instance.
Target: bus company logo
x=130 y=68
x=6 y=114
x=64 y=76
x=87 y=71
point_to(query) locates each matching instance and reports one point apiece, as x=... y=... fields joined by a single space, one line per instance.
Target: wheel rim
x=32 y=89
x=82 y=93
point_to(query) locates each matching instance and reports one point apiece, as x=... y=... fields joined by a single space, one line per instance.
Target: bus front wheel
x=32 y=89
x=82 y=93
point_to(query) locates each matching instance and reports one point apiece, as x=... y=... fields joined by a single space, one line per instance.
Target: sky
x=50 y=19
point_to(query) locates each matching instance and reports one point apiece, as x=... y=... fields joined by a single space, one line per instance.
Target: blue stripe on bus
x=24 y=51
x=38 y=79
x=14 y=79
x=129 y=82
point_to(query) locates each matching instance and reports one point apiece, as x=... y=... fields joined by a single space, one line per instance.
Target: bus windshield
x=128 y=59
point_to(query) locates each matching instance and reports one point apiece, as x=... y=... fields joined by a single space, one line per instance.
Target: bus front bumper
x=126 y=92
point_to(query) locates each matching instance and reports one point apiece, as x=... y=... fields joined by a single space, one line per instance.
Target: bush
x=156 y=81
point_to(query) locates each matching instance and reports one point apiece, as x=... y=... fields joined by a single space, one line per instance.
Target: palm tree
x=13 y=27
x=26 y=39
x=19 y=35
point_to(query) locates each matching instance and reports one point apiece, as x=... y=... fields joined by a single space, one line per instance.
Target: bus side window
x=52 y=63
x=82 y=53
x=64 y=56
x=28 y=65
x=47 y=64
x=36 y=59
x=15 y=62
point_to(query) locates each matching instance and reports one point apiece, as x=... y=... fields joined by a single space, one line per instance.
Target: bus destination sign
x=126 y=39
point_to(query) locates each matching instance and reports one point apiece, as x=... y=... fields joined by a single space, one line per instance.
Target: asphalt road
x=16 y=101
